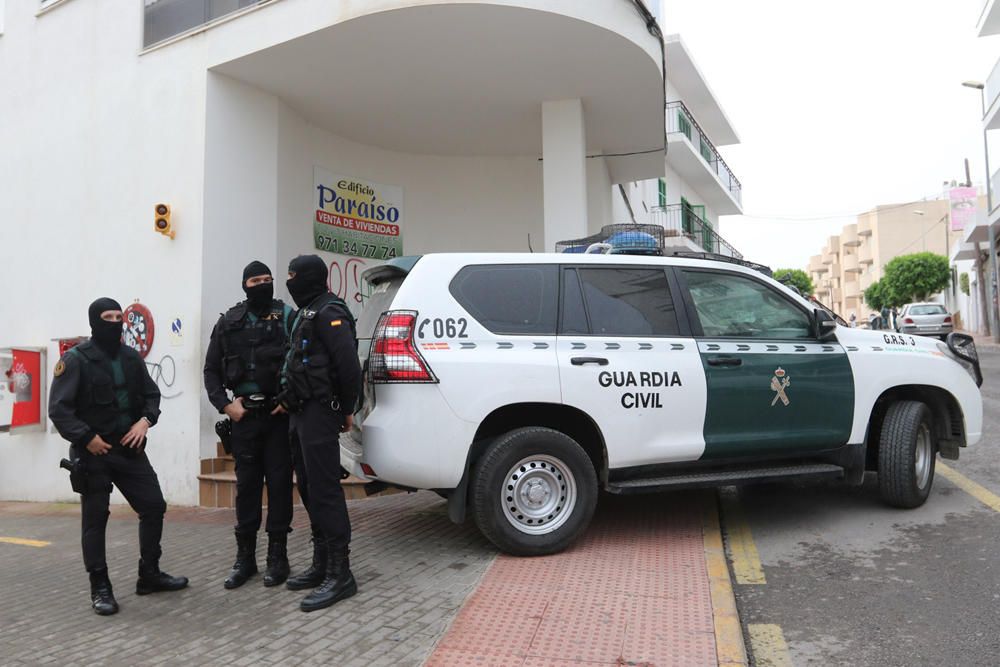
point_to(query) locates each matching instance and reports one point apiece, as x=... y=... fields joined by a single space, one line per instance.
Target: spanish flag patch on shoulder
x=336 y=323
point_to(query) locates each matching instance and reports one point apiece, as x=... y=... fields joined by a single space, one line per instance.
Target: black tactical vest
x=96 y=398
x=310 y=371
x=253 y=351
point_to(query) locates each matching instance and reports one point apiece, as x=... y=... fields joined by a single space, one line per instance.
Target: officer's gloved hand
x=289 y=401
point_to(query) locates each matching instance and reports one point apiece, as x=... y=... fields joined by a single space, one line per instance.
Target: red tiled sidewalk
x=634 y=591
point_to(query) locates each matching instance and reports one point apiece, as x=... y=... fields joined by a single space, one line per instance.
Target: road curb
x=729 y=646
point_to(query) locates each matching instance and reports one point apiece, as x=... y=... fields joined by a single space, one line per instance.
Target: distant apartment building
x=850 y=262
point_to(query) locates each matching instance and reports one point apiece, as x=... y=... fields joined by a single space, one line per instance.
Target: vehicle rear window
x=926 y=310
x=377 y=302
x=510 y=298
x=625 y=301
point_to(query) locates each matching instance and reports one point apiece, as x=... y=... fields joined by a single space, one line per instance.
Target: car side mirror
x=824 y=326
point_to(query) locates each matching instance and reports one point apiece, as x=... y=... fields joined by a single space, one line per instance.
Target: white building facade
x=468 y=125
x=968 y=253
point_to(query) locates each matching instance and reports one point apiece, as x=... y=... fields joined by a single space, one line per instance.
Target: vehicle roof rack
x=716 y=257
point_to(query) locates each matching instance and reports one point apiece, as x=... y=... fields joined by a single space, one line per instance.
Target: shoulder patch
x=60 y=368
x=336 y=323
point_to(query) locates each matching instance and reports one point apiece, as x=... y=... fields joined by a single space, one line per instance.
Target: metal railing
x=681 y=220
x=994 y=192
x=992 y=87
x=680 y=120
x=162 y=19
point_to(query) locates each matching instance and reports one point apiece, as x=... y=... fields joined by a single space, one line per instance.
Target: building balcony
x=851 y=264
x=683 y=227
x=816 y=264
x=992 y=92
x=989 y=19
x=828 y=258
x=865 y=227
x=696 y=160
x=852 y=289
x=849 y=237
x=835 y=270
x=865 y=254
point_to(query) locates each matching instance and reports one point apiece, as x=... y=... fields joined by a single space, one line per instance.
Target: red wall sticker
x=138 y=329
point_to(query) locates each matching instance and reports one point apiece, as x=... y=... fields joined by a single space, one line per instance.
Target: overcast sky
x=840 y=106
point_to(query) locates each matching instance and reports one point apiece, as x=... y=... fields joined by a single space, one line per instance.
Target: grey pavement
x=414 y=569
x=852 y=581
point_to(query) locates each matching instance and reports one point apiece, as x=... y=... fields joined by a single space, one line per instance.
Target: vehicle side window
x=729 y=304
x=624 y=301
x=574 y=315
x=510 y=298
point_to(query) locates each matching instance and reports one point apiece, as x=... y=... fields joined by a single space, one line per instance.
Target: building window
x=163 y=19
x=661 y=186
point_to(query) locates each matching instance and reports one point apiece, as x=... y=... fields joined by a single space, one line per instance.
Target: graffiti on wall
x=345 y=280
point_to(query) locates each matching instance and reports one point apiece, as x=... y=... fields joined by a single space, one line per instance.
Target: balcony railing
x=680 y=120
x=995 y=190
x=162 y=19
x=682 y=220
x=993 y=87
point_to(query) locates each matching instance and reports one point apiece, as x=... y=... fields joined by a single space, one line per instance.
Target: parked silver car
x=925 y=319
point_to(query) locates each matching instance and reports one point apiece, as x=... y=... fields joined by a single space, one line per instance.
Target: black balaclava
x=106 y=335
x=259 y=296
x=309 y=281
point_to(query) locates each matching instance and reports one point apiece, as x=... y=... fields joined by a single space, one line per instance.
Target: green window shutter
x=683 y=123
x=661 y=186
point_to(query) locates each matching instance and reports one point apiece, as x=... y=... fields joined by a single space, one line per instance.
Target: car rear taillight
x=394 y=358
x=947 y=320
x=907 y=320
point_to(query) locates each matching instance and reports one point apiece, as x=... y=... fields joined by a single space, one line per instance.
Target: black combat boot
x=277 y=559
x=102 y=598
x=314 y=576
x=338 y=584
x=151 y=580
x=246 y=561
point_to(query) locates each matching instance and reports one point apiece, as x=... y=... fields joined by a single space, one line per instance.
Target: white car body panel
x=419 y=435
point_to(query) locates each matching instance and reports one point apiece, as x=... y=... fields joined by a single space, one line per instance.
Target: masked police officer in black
x=245 y=355
x=321 y=381
x=103 y=401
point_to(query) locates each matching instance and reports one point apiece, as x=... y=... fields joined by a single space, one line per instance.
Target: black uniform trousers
x=263 y=456
x=131 y=472
x=317 y=429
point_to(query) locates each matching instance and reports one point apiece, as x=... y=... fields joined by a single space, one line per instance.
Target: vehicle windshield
x=933 y=309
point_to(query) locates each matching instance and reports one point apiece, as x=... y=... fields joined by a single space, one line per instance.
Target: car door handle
x=725 y=361
x=581 y=361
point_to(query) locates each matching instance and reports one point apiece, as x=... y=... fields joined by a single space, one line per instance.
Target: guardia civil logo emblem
x=779 y=383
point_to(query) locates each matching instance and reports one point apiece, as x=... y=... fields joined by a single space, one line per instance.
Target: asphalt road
x=851 y=581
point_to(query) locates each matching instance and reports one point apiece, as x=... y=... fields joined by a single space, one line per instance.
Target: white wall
x=92 y=139
x=94 y=133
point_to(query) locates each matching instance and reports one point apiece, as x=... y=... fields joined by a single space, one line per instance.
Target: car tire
x=906 y=454
x=533 y=491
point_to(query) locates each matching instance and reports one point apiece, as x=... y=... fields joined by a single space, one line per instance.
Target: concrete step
x=218 y=488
